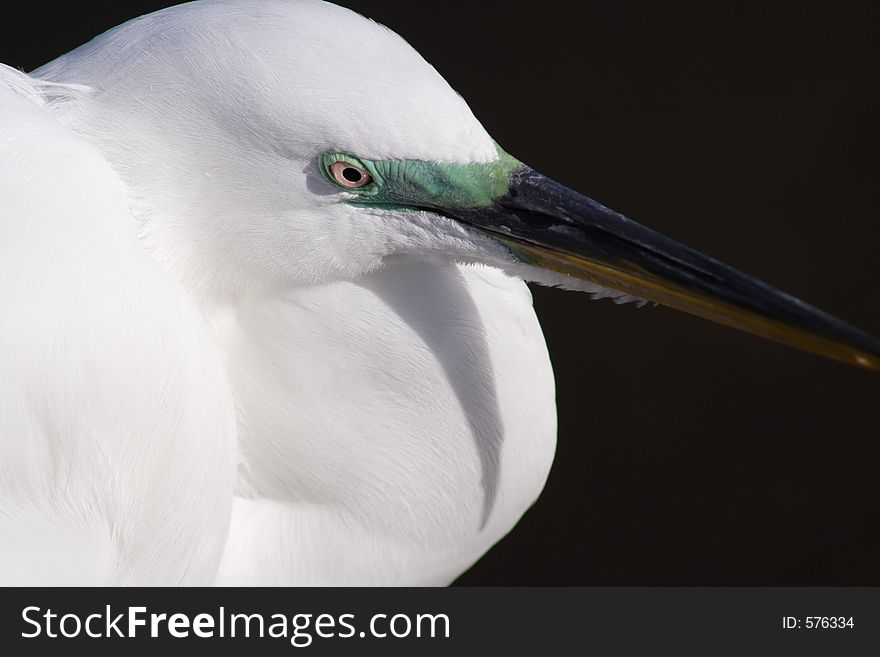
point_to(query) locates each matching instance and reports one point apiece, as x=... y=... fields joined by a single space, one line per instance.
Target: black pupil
x=352 y=175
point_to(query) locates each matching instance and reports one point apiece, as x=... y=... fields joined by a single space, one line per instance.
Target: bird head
x=294 y=142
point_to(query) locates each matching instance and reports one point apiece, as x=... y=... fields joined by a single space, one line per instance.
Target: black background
x=688 y=453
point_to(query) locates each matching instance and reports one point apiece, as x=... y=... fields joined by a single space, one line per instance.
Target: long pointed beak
x=548 y=225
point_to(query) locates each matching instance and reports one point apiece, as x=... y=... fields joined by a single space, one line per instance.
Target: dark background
x=688 y=453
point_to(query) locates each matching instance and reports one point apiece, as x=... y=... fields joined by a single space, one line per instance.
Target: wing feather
x=116 y=421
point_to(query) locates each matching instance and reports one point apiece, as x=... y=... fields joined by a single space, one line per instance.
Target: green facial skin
x=419 y=184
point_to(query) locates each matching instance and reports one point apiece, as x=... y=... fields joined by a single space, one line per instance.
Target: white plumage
x=213 y=371
x=116 y=419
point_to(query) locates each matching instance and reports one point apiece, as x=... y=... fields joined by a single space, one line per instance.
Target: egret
x=265 y=318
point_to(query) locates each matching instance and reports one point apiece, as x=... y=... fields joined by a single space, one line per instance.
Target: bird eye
x=348 y=175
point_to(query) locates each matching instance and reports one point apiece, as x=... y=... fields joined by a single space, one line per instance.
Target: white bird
x=264 y=312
